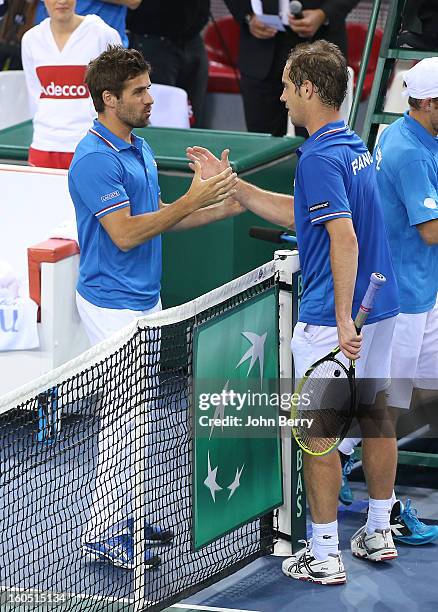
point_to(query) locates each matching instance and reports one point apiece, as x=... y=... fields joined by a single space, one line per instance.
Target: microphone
x=271 y=235
x=296 y=9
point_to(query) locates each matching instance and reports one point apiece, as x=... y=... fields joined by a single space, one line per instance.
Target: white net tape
x=97 y=353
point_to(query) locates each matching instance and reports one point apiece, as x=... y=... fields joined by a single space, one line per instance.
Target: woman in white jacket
x=55 y=55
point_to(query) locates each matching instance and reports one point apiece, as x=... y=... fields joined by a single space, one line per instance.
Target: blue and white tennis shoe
x=406 y=527
x=118 y=551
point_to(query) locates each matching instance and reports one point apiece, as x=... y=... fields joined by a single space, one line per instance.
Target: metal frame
x=388 y=56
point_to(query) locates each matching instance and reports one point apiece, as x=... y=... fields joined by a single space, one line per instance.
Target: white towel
x=67 y=230
x=18 y=325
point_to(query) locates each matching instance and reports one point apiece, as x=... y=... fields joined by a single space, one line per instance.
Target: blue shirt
x=112 y=14
x=108 y=174
x=335 y=179
x=407 y=175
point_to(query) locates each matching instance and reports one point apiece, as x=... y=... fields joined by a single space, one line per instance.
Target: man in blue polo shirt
x=407 y=176
x=341 y=237
x=113 y=182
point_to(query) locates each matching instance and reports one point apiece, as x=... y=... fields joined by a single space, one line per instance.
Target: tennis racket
x=324 y=403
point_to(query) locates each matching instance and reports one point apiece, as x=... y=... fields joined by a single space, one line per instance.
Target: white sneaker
x=304 y=566
x=378 y=546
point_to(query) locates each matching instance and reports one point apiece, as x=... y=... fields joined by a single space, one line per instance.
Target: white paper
x=272 y=21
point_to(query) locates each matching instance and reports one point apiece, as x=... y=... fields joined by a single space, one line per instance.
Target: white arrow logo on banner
x=236 y=482
x=256 y=352
x=210 y=481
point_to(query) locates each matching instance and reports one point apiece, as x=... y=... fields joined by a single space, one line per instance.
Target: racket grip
x=376 y=281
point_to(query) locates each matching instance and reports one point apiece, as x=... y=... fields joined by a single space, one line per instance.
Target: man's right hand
x=204 y=192
x=259 y=30
x=350 y=342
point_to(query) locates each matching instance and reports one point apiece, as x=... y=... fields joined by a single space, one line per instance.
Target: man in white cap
x=406 y=161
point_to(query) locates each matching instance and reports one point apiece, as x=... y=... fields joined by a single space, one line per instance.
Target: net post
x=292 y=515
x=298 y=518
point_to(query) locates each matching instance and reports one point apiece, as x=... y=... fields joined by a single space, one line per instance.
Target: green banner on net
x=237 y=450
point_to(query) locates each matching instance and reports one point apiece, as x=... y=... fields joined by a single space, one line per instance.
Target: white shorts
x=414 y=356
x=111 y=506
x=312 y=342
x=100 y=323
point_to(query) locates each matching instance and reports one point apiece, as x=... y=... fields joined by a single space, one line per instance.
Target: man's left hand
x=310 y=23
x=210 y=164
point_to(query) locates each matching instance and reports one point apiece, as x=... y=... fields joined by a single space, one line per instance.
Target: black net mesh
x=108 y=444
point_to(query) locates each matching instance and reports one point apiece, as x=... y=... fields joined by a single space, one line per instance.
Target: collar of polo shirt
x=113 y=141
x=429 y=141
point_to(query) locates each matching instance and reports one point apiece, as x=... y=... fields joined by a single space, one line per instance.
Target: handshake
x=214 y=181
x=236 y=195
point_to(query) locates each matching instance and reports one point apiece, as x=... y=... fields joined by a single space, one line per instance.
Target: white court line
x=67 y=594
x=208 y=608
x=124 y=600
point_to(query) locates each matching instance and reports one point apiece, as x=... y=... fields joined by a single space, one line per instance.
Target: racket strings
x=324 y=406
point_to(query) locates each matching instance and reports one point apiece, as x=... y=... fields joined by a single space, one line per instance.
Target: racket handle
x=376 y=281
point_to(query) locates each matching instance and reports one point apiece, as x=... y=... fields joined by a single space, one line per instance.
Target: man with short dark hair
x=341 y=238
x=113 y=182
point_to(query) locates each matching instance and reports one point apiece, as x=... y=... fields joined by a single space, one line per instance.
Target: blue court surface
x=407 y=584
x=35 y=504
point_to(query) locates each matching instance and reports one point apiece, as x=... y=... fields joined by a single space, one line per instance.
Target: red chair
x=356 y=34
x=223 y=74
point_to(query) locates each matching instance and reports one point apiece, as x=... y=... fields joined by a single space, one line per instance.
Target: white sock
x=348 y=445
x=393 y=498
x=379 y=511
x=325 y=540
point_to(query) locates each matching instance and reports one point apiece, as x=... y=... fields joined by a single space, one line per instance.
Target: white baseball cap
x=422 y=79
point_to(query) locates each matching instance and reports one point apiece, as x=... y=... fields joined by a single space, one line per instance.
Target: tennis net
x=98 y=459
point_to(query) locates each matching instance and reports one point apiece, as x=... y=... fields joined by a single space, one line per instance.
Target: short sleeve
x=417 y=189
x=324 y=189
x=97 y=178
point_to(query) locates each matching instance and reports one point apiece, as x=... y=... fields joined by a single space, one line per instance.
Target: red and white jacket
x=59 y=100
